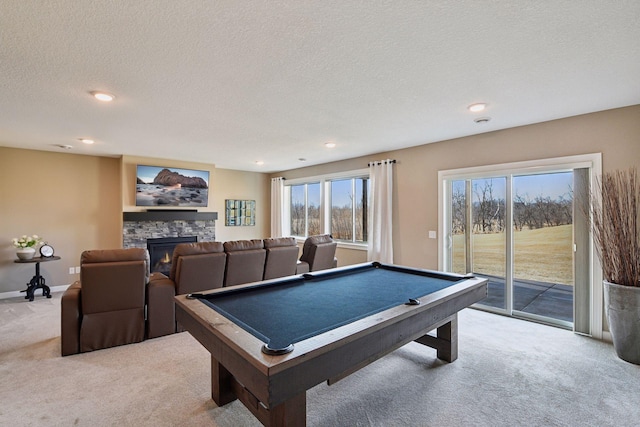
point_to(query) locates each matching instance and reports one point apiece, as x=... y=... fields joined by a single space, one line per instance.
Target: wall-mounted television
x=164 y=186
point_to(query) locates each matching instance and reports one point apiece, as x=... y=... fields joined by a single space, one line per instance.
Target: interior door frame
x=592 y=161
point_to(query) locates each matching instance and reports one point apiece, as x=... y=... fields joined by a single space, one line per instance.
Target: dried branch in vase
x=616 y=226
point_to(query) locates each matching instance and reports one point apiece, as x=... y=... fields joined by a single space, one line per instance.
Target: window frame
x=325 y=203
x=592 y=162
x=287 y=206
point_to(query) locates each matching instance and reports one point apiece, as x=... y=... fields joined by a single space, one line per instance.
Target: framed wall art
x=166 y=186
x=240 y=212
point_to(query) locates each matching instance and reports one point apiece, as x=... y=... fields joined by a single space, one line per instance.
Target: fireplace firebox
x=161 y=252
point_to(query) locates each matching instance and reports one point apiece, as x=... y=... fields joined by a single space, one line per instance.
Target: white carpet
x=509 y=373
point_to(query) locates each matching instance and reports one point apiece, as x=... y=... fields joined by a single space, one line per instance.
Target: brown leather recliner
x=282 y=257
x=106 y=307
x=195 y=267
x=245 y=261
x=318 y=253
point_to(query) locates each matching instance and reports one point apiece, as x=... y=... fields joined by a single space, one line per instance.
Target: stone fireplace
x=178 y=225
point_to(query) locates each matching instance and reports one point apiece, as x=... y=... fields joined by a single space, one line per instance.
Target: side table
x=37 y=282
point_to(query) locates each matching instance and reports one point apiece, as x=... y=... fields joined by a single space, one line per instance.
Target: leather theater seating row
x=117 y=301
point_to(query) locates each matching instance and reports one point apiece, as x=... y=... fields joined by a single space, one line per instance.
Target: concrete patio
x=542 y=299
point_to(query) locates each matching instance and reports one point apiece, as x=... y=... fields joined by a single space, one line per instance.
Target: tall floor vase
x=622 y=306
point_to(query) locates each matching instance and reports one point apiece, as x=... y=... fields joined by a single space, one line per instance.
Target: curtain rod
x=381 y=162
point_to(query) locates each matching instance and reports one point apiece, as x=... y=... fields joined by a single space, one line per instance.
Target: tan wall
x=232 y=184
x=350 y=256
x=614 y=133
x=76 y=202
x=72 y=201
x=224 y=184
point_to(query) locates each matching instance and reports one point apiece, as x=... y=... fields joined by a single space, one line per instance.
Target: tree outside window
x=305 y=209
x=332 y=206
x=349 y=209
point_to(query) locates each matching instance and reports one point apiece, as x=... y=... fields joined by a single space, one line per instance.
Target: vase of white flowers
x=26 y=246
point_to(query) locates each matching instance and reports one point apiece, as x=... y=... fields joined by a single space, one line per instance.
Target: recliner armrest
x=160 y=306
x=70 y=318
x=302 y=267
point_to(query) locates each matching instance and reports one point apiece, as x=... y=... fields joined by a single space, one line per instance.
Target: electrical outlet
x=71 y=270
x=77 y=270
x=432 y=234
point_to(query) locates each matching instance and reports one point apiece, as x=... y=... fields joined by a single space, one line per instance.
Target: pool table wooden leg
x=221 y=384
x=291 y=413
x=446 y=340
x=225 y=389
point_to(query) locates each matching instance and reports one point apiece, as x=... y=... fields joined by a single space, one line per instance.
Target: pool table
x=271 y=341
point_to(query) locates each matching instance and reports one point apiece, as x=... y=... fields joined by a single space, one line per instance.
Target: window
x=305 y=209
x=335 y=205
x=349 y=209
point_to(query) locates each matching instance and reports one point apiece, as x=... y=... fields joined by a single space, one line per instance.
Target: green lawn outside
x=545 y=254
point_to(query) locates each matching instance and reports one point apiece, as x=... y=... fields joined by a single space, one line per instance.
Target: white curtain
x=277 y=198
x=381 y=212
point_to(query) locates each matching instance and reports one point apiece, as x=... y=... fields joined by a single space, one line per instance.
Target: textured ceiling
x=233 y=82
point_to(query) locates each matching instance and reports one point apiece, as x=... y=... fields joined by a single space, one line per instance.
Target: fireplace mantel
x=169 y=215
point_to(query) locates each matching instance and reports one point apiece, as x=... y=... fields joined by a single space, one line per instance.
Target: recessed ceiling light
x=482 y=119
x=475 y=108
x=330 y=144
x=103 y=96
x=259 y=162
x=64 y=146
x=302 y=159
x=86 y=141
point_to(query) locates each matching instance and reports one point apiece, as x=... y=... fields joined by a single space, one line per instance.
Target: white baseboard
x=15 y=294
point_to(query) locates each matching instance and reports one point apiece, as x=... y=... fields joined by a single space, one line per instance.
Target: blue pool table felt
x=300 y=308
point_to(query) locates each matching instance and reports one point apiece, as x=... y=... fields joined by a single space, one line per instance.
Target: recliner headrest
x=116 y=255
x=243 y=245
x=279 y=241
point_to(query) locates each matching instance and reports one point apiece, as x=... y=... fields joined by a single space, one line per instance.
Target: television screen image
x=165 y=186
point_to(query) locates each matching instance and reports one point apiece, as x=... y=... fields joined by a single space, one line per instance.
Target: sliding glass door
x=543 y=267
x=516 y=228
x=477 y=234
